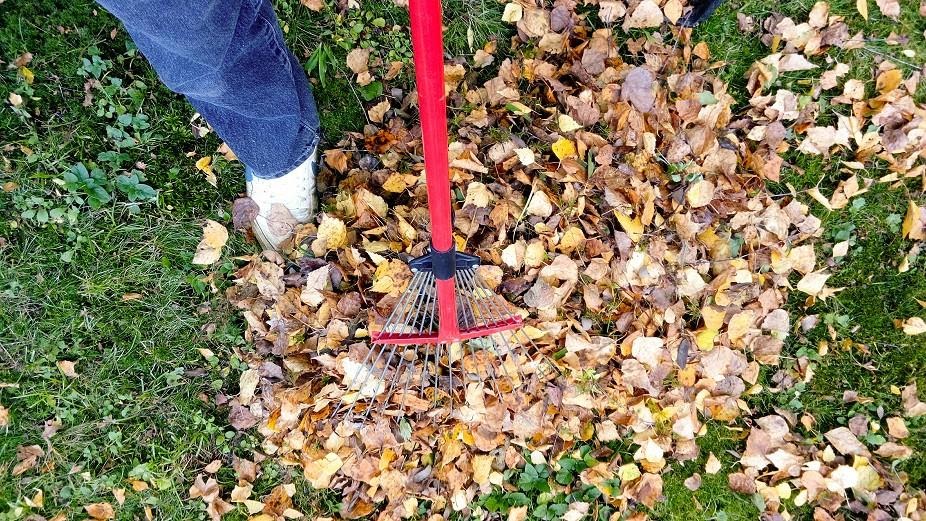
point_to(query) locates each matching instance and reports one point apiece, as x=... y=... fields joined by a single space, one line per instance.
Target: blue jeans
x=229 y=59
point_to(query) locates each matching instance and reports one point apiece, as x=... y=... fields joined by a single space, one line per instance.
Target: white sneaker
x=284 y=202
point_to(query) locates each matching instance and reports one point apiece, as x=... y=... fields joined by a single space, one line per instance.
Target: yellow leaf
x=478 y=195
x=564 y=148
x=740 y=324
x=398 y=182
x=705 y=339
x=888 y=80
x=210 y=247
x=628 y=472
x=914 y=223
x=332 y=233
x=713 y=317
x=407 y=231
x=534 y=254
x=818 y=197
x=567 y=124
x=571 y=240
x=27 y=74
x=374 y=202
x=320 y=472
x=204 y=164
x=482 y=466
x=633 y=227
x=812 y=283
x=862 y=6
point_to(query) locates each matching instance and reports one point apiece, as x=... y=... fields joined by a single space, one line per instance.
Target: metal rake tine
x=382 y=348
x=395 y=378
x=408 y=378
x=436 y=371
x=475 y=301
x=431 y=297
x=424 y=368
x=382 y=377
x=428 y=297
x=490 y=310
x=401 y=304
x=407 y=325
x=494 y=311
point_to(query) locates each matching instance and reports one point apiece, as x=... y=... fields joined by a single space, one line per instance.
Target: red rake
x=447 y=308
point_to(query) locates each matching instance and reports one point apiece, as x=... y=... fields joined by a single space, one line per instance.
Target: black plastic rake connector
x=444 y=264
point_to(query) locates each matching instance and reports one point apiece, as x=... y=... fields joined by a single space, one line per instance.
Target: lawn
x=116 y=353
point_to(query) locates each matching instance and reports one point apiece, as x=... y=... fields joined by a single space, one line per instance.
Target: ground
x=113 y=289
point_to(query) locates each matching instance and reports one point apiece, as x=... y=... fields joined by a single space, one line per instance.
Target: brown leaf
x=244 y=211
x=27 y=457
x=241 y=418
x=638 y=88
x=889 y=8
x=842 y=439
x=315 y=5
x=693 y=482
x=68 y=368
x=357 y=60
x=100 y=511
x=741 y=483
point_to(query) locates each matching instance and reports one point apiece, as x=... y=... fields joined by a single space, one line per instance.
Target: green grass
x=143 y=405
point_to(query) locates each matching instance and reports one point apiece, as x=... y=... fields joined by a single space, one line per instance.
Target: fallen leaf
x=68 y=368
x=244 y=211
x=210 y=247
x=525 y=156
x=700 y=194
x=712 y=466
x=27 y=457
x=842 y=439
x=379 y=110
x=539 y=204
x=646 y=14
x=567 y=124
x=513 y=12
x=889 y=8
x=100 y=511
x=332 y=234
x=564 y=148
x=914 y=326
x=813 y=283
x=638 y=87
x=314 y=5
x=357 y=60
x=204 y=165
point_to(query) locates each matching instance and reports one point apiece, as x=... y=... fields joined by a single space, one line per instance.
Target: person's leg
x=229 y=59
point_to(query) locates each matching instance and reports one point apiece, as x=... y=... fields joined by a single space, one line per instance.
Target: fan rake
x=448 y=330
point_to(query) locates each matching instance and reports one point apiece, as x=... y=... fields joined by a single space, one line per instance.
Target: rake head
x=447 y=330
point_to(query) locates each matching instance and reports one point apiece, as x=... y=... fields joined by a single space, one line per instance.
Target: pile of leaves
x=619 y=198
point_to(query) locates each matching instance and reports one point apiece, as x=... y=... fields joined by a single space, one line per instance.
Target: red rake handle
x=428 y=46
x=425 y=16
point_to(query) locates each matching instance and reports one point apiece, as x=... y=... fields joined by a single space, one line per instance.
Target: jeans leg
x=229 y=59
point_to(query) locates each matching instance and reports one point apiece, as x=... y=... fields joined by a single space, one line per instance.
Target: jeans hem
x=302 y=158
